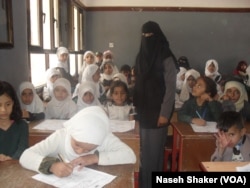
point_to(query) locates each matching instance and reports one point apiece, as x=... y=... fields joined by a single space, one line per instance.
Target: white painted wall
x=168 y=3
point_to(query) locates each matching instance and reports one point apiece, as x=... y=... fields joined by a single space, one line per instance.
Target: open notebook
x=209 y=127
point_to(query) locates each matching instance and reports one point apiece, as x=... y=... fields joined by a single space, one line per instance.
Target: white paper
x=209 y=127
x=245 y=168
x=50 y=124
x=85 y=178
x=121 y=126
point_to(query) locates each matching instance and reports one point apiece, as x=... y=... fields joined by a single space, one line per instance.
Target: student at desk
x=232 y=142
x=85 y=140
x=202 y=107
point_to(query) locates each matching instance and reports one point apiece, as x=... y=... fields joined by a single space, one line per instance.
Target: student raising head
x=201 y=107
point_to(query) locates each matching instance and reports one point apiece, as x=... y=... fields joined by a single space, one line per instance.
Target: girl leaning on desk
x=85 y=140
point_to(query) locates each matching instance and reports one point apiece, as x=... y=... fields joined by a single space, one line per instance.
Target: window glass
x=37 y=65
x=46 y=25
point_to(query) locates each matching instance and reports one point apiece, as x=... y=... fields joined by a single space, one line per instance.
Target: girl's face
x=119 y=96
x=96 y=76
x=88 y=97
x=108 y=69
x=82 y=147
x=6 y=106
x=211 y=68
x=54 y=78
x=199 y=88
x=27 y=96
x=89 y=59
x=233 y=135
x=60 y=93
x=63 y=57
x=233 y=94
x=191 y=81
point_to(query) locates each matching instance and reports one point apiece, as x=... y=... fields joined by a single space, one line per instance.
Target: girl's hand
x=61 y=169
x=206 y=97
x=85 y=160
x=25 y=113
x=4 y=157
x=198 y=121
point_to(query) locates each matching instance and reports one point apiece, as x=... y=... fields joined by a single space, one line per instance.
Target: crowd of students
x=103 y=92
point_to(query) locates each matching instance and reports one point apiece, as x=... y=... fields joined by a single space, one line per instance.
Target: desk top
x=221 y=166
x=13 y=175
x=129 y=134
x=185 y=130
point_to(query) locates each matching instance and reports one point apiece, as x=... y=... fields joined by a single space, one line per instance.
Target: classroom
x=200 y=31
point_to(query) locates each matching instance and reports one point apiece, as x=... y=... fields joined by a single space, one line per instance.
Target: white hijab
x=243 y=94
x=186 y=90
x=84 y=87
x=61 y=109
x=36 y=105
x=179 y=81
x=62 y=50
x=214 y=74
x=90 y=125
x=87 y=75
x=49 y=73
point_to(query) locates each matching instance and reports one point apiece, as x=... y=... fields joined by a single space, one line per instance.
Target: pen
x=61 y=158
x=198 y=114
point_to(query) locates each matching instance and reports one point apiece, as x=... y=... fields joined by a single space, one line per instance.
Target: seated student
x=87 y=95
x=85 y=140
x=52 y=74
x=88 y=59
x=107 y=74
x=183 y=62
x=14 y=132
x=240 y=71
x=92 y=74
x=232 y=141
x=185 y=93
x=31 y=104
x=61 y=105
x=98 y=58
x=62 y=65
x=235 y=98
x=201 y=107
x=180 y=77
x=119 y=107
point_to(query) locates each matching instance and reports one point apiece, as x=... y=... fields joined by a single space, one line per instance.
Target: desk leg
x=174 y=151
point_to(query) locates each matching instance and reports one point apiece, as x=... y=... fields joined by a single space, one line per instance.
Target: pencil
x=61 y=158
x=198 y=114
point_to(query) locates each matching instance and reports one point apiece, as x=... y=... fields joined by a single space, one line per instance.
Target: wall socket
x=111 y=45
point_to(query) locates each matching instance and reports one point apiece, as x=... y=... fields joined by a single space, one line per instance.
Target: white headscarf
x=90 y=125
x=87 y=75
x=243 y=94
x=49 y=73
x=61 y=109
x=179 y=81
x=186 y=90
x=62 y=50
x=36 y=105
x=84 y=87
x=214 y=74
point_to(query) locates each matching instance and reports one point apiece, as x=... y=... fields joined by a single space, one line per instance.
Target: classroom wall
x=200 y=36
x=14 y=61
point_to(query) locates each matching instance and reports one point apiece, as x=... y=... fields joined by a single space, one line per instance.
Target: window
x=53 y=23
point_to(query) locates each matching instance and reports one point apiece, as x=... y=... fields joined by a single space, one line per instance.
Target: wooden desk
x=210 y=166
x=13 y=175
x=190 y=148
x=131 y=138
